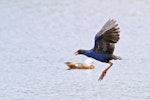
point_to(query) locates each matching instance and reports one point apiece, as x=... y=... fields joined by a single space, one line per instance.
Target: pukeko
x=104 y=45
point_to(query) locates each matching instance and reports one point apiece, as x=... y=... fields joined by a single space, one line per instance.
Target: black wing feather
x=106 y=38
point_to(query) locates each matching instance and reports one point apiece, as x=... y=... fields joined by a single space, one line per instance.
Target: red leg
x=104 y=72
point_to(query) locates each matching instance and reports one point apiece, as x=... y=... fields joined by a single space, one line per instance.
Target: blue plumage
x=100 y=57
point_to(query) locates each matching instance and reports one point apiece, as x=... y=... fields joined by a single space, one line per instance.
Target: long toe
x=102 y=75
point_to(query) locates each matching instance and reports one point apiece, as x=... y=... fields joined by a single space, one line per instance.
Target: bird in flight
x=104 y=45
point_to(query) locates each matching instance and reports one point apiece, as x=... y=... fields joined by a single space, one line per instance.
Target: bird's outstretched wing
x=106 y=38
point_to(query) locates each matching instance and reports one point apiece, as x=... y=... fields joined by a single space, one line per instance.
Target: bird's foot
x=103 y=74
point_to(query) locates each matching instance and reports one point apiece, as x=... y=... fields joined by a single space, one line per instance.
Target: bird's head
x=79 y=52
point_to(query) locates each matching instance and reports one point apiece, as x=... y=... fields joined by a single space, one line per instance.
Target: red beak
x=76 y=53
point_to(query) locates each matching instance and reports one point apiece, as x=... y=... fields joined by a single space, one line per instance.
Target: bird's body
x=100 y=57
x=104 y=45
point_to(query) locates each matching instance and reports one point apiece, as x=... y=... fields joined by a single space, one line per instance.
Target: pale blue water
x=37 y=37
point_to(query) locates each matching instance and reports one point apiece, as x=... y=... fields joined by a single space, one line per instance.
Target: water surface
x=37 y=37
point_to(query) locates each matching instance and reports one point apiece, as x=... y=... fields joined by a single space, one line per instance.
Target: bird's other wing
x=106 y=38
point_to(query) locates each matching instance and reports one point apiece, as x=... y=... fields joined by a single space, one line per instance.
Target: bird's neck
x=86 y=52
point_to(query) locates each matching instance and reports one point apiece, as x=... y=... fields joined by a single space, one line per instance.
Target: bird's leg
x=105 y=71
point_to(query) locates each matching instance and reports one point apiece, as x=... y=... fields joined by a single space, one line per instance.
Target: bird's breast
x=99 y=57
